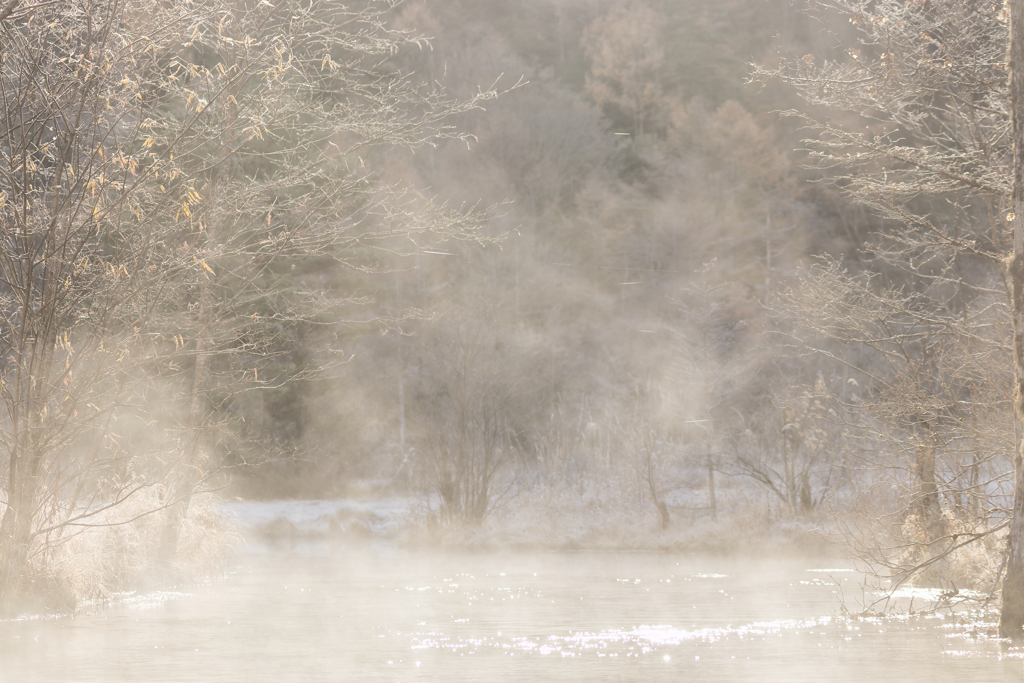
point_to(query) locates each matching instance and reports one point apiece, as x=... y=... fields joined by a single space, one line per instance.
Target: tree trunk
x=26 y=462
x=660 y=506
x=711 y=481
x=1011 y=620
x=927 y=506
x=27 y=454
x=182 y=485
x=16 y=534
x=190 y=460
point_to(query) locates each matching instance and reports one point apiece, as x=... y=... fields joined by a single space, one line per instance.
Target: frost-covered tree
x=929 y=137
x=182 y=186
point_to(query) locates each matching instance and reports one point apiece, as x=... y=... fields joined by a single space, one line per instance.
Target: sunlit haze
x=511 y=340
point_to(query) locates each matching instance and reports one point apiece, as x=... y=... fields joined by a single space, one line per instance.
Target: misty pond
x=310 y=610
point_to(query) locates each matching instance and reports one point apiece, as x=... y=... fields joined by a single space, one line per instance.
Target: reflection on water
x=385 y=615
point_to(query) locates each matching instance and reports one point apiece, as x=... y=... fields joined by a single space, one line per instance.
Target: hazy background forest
x=646 y=344
x=579 y=274
x=651 y=206
x=681 y=335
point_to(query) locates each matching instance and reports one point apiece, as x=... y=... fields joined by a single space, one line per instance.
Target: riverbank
x=541 y=519
x=119 y=551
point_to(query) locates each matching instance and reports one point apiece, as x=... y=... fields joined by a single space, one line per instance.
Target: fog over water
x=330 y=612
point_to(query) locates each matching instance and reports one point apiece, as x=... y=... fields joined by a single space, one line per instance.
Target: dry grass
x=607 y=516
x=975 y=566
x=120 y=551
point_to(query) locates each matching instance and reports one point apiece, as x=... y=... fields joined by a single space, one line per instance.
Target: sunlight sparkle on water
x=564 y=618
x=630 y=641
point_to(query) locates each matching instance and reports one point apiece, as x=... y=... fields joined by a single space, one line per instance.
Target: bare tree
x=921 y=130
x=467 y=398
x=169 y=174
x=711 y=373
x=650 y=451
x=789 y=448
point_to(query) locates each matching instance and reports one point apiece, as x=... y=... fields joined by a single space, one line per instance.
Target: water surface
x=379 y=614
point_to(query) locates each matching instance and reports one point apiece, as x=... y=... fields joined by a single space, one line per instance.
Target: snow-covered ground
x=274 y=521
